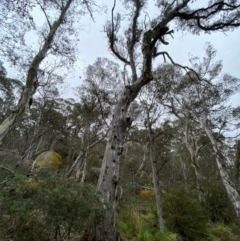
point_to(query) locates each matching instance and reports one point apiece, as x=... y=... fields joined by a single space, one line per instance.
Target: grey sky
x=93 y=44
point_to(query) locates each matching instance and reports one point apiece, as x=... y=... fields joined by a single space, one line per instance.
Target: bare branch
x=42 y=8
x=112 y=37
x=86 y=2
x=7 y=169
x=186 y=68
x=134 y=38
x=202 y=17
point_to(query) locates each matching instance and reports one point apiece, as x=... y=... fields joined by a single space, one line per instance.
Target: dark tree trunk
x=237 y=163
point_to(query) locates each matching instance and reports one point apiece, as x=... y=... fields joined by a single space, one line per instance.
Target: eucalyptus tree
x=56 y=38
x=205 y=99
x=151 y=99
x=42 y=126
x=8 y=91
x=192 y=131
x=90 y=115
x=137 y=47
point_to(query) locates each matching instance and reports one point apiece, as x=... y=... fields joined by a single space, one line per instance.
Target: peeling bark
x=109 y=176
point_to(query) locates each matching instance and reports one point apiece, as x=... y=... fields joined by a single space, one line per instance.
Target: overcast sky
x=93 y=44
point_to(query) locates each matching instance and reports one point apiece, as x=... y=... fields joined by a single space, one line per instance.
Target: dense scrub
x=45 y=207
x=187 y=218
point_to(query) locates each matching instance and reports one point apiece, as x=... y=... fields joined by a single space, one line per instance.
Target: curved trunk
x=31 y=81
x=232 y=192
x=231 y=189
x=76 y=164
x=193 y=149
x=143 y=161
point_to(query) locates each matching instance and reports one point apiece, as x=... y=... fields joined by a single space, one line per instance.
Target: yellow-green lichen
x=48 y=159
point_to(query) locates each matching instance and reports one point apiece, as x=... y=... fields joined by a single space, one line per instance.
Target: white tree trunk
x=85 y=167
x=232 y=192
x=31 y=80
x=109 y=175
x=143 y=160
x=161 y=221
x=78 y=159
x=108 y=182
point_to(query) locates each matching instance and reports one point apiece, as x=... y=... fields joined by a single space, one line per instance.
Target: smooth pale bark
x=109 y=175
x=54 y=141
x=85 y=167
x=193 y=149
x=192 y=145
x=161 y=221
x=32 y=146
x=139 y=171
x=183 y=170
x=193 y=152
x=79 y=167
x=75 y=163
x=78 y=163
x=31 y=80
x=232 y=192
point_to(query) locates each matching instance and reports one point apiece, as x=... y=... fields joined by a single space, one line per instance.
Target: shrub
x=47 y=207
x=185 y=216
x=222 y=232
x=217 y=204
x=138 y=227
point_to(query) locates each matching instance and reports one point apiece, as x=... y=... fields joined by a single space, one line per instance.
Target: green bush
x=217 y=204
x=185 y=216
x=45 y=207
x=222 y=232
x=138 y=227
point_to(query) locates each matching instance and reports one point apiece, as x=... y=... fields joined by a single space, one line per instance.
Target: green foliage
x=184 y=216
x=217 y=204
x=45 y=207
x=139 y=227
x=137 y=220
x=221 y=232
